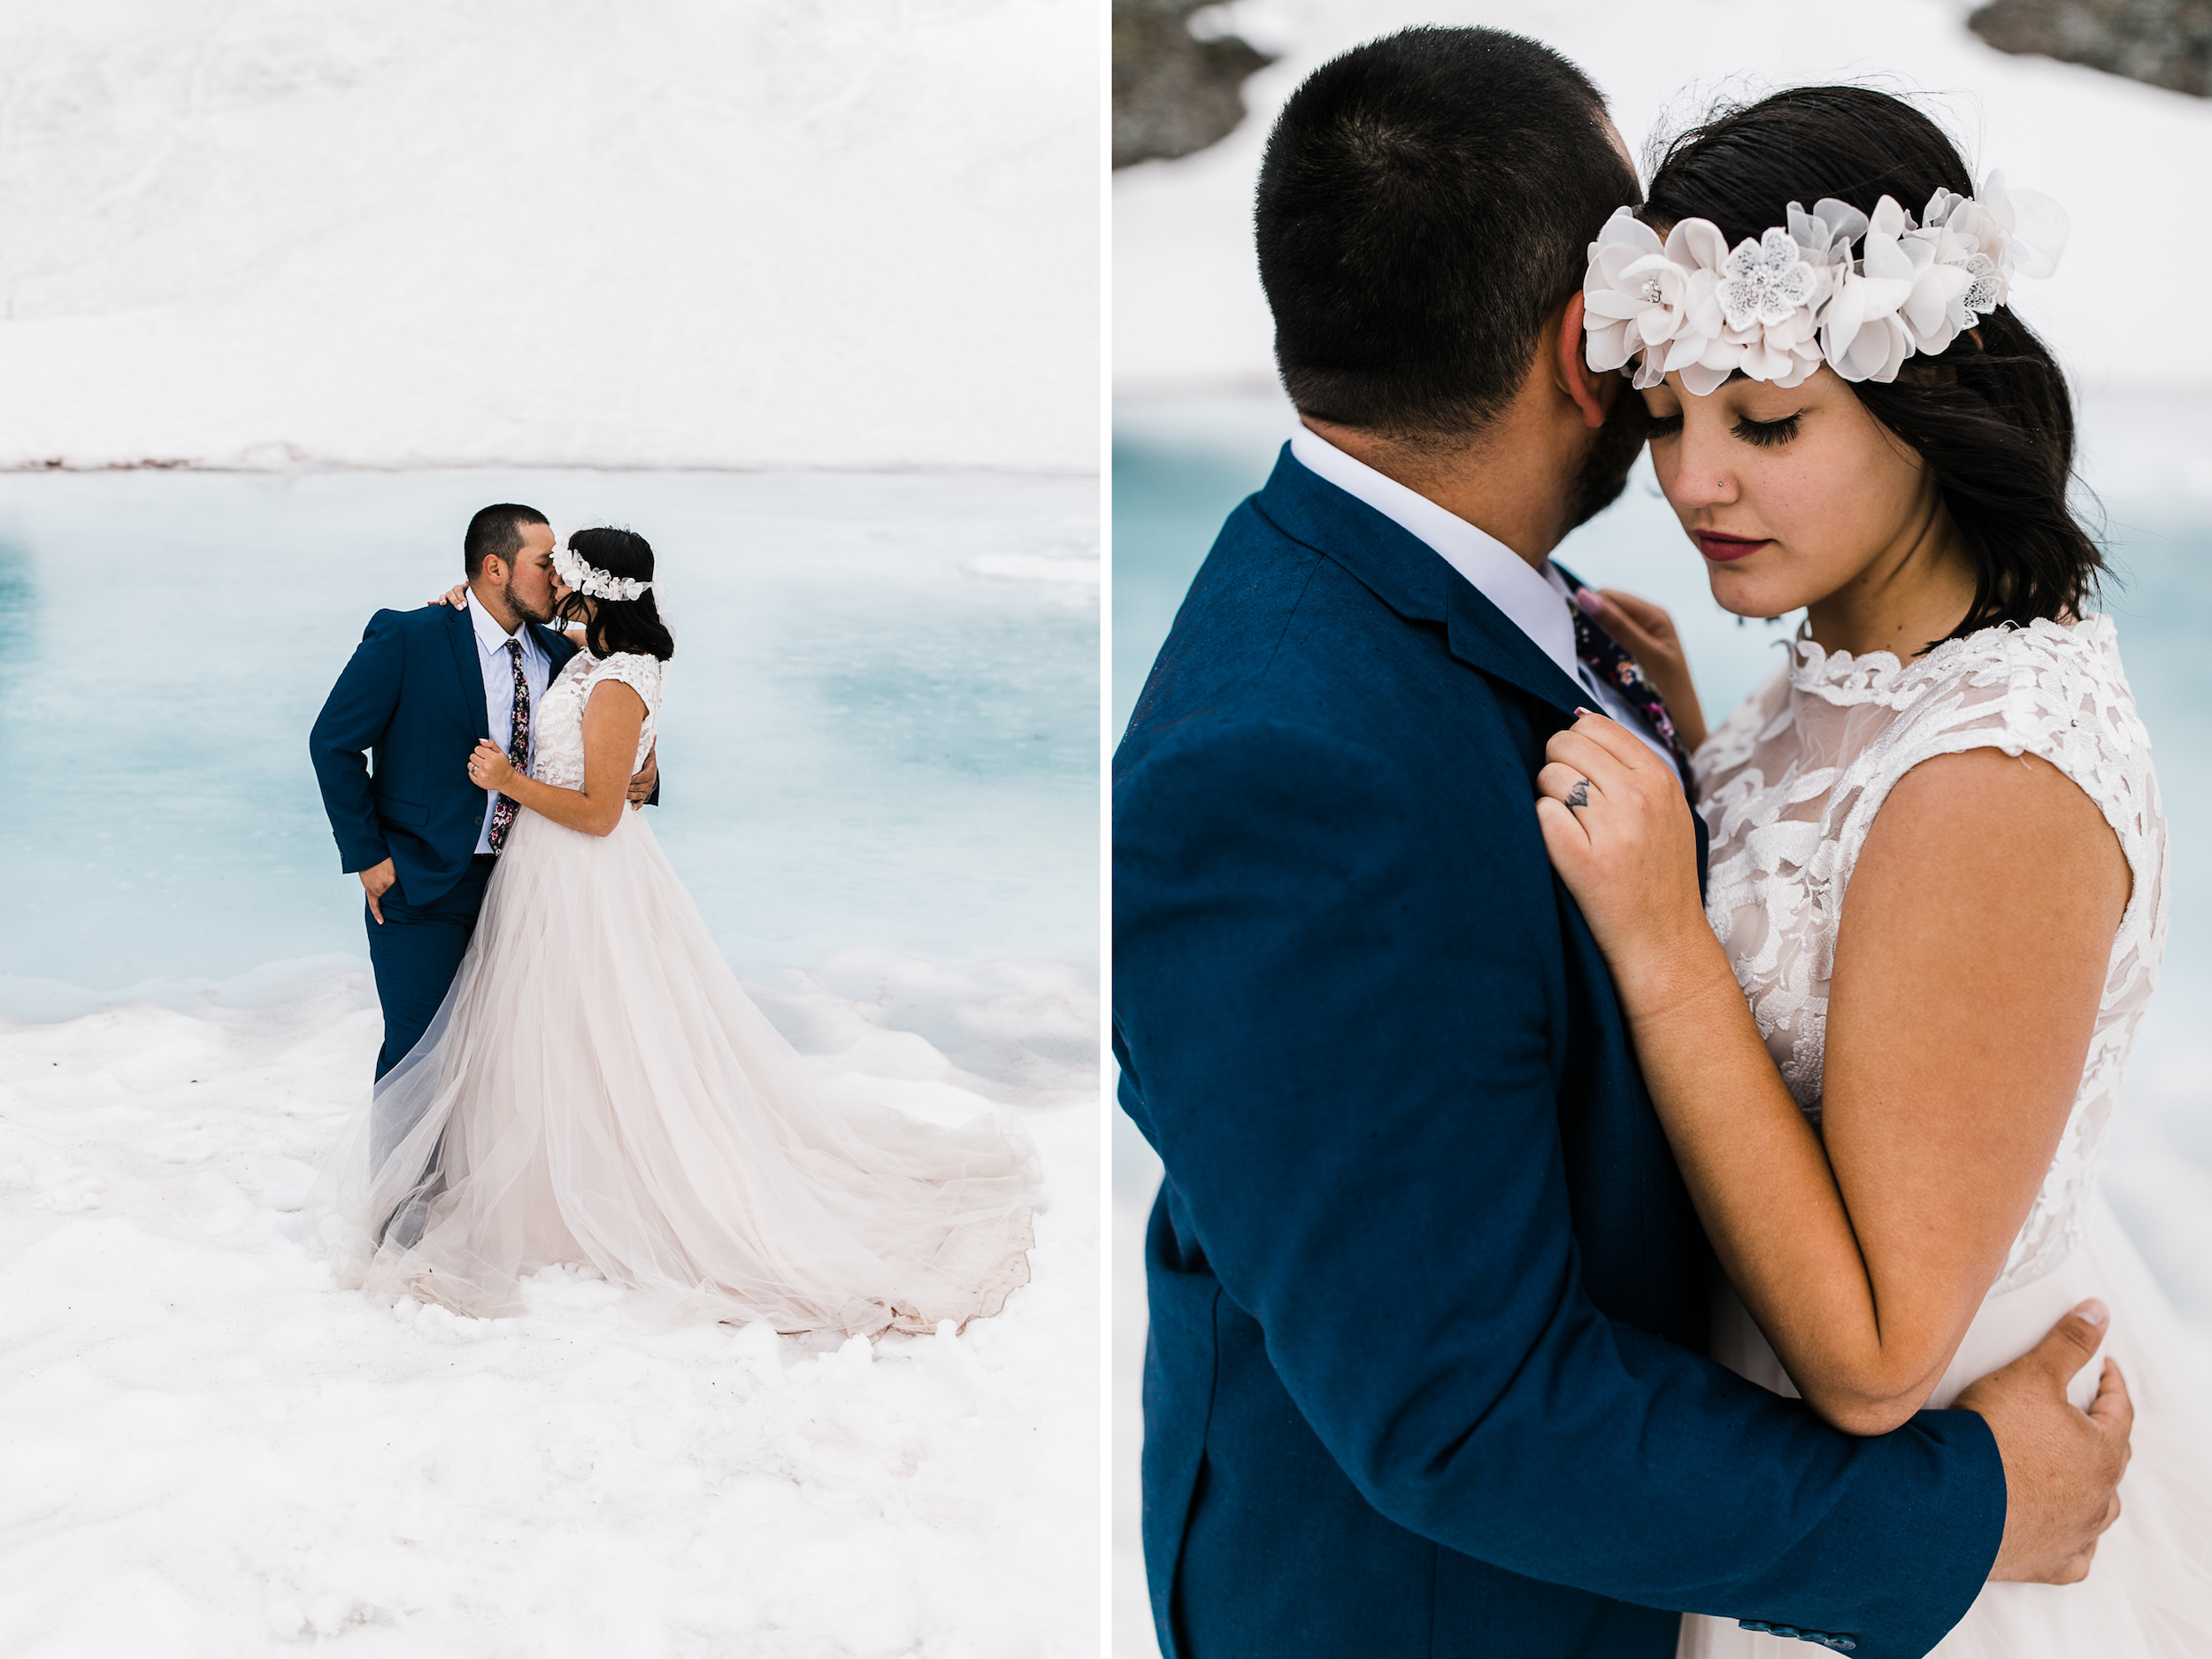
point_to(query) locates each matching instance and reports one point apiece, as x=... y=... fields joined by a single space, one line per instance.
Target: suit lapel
x=1483 y=638
x=1413 y=579
x=468 y=663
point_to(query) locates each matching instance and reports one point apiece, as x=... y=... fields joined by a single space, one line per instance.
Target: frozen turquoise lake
x=880 y=729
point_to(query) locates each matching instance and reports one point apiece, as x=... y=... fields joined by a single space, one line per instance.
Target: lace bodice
x=1790 y=785
x=557 y=756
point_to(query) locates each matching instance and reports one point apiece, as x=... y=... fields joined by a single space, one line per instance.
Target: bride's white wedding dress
x=1790 y=785
x=598 y=1090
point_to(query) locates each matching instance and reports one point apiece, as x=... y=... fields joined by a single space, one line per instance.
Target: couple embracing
x=572 y=1075
x=1630 y=1190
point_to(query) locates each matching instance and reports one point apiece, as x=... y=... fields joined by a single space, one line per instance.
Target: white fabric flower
x=590 y=581
x=1632 y=294
x=1767 y=281
x=1898 y=300
x=1776 y=308
x=2036 y=227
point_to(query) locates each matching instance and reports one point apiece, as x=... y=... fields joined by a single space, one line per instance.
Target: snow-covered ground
x=212 y=1453
x=821 y=233
x=880 y=756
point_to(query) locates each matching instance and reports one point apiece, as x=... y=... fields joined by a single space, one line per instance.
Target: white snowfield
x=858 y=233
x=2126 y=160
x=211 y=1452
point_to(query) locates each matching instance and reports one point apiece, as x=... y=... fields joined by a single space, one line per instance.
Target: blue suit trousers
x=416 y=951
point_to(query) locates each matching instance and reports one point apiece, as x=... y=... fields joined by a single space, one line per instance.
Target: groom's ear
x=1572 y=369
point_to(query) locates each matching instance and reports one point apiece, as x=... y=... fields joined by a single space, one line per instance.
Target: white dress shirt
x=1534 y=601
x=499 y=690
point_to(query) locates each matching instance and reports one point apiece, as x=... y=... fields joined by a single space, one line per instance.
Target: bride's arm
x=1969 y=960
x=613 y=717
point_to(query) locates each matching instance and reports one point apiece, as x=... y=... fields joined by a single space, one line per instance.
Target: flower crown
x=1778 y=308
x=587 y=578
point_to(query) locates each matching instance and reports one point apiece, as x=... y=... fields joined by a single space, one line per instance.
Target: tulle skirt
x=598 y=1090
x=2149 y=1591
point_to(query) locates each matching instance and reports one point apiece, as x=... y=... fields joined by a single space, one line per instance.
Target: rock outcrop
x=1173 y=92
x=2163 y=43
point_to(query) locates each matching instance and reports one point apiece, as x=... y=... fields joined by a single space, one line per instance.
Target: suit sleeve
x=1334 y=1007
x=353 y=718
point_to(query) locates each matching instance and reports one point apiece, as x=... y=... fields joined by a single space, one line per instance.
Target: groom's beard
x=541 y=616
x=1603 y=474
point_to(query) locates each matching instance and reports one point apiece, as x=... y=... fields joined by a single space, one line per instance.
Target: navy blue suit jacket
x=413 y=693
x=1428 y=1296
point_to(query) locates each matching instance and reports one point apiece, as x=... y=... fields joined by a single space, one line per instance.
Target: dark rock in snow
x=1173 y=92
x=2163 y=43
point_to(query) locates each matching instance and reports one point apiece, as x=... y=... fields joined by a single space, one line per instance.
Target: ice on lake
x=879 y=749
x=879 y=729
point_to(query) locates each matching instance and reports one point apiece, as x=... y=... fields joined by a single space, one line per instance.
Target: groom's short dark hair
x=1426 y=205
x=496 y=533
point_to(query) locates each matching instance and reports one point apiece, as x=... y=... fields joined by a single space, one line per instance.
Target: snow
x=860 y=234
x=214 y=1452
x=879 y=752
x=2126 y=160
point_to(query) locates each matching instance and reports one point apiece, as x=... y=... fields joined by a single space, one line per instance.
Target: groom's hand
x=2063 y=1466
x=642 y=786
x=376 y=881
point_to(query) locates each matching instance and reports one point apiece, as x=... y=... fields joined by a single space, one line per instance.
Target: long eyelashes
x=1766 y=434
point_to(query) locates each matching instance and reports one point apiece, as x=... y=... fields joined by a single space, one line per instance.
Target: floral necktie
x=1605 y=658
x=518 y=748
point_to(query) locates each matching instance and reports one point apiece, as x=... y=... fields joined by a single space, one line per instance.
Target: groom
x=422 y=689
x=1427 y=1295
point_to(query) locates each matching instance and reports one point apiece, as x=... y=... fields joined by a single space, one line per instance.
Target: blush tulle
x=2149 y=1591
x=598 y=1090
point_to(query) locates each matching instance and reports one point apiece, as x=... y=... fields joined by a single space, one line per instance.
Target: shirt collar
x=489 y=638
x=1534 y=601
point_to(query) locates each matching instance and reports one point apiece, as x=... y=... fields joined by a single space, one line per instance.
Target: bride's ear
x=1572 y=369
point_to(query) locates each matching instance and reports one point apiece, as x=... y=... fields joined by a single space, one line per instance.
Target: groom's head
x=507 y=556
x=1423 y=215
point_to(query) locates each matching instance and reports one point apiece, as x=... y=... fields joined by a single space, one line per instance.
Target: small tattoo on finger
x=1579 y=795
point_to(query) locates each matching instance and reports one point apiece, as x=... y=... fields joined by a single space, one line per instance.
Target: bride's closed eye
x=1768 y=434
x=1765 y=434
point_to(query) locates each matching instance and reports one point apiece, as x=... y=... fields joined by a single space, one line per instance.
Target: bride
x=598 y=1089
x=1887 y=1043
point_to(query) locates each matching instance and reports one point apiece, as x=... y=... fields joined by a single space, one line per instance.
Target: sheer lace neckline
x=1838 y=677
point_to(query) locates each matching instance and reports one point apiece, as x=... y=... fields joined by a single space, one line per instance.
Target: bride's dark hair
x=1990 y=418
x=618 y=625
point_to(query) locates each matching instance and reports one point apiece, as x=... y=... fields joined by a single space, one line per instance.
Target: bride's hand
x=1647 y=634
x=1618 y=829
x=457 y=596
x=489 y=767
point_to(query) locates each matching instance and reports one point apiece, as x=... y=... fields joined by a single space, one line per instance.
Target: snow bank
x=2125 y=159
x=852 y=234
x=215 y=1453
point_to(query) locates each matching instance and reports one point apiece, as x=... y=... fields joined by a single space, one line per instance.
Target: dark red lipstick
x=1721 y=548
